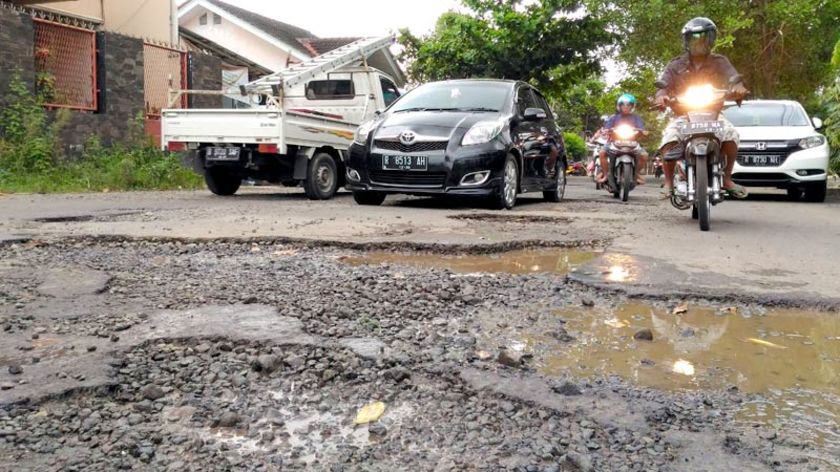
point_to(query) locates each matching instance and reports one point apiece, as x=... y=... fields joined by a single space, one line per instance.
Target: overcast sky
x=327 y=18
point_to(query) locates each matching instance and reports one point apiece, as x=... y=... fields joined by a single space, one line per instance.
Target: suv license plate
x=222 y=154
x=773 y=160
x=418 y=163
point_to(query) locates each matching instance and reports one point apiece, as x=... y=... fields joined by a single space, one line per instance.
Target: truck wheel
x=221 y=183
x=321 y=177
x=369 y=198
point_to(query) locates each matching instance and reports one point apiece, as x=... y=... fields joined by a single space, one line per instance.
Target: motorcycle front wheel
x=701 y=193
x=627 y=180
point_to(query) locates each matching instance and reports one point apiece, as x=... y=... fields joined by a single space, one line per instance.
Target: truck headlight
x=482 y=132
x=362 y=132
x=812 y=142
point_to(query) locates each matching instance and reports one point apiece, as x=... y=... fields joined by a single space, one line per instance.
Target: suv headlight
x=363 y=131
x=812 y=142
x=482 y=132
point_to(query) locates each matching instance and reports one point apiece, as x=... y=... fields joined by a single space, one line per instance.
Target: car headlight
x=812 y=142
x=482 y=132
x=362 y=132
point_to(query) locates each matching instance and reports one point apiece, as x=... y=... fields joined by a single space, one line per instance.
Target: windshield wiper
x=427 y=109
x=489 y=110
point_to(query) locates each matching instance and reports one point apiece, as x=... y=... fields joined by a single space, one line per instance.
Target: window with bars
x=65 y=65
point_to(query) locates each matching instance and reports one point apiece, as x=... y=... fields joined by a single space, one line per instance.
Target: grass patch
x=32 y=157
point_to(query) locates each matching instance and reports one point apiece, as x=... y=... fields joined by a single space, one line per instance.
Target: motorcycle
x=623 y=153
x=594 y=167
x=657 y=167
x=700 y=187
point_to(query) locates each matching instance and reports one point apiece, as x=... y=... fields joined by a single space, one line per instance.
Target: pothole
x=528 y=261
x=65 y=219
x=496 y=218
x=789 y=359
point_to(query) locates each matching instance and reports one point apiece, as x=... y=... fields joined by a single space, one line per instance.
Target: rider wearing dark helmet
x=698 y=66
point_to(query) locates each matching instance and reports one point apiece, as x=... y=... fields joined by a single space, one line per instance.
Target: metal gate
x=162 y=65
x=65 y=65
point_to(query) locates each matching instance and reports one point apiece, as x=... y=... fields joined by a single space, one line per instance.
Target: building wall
x=17 y=36
x=142 y=19
x=238 y=40
x=89 y=9
x=139 y=18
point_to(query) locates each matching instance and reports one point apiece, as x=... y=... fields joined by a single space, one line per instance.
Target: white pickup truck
x=299 y=127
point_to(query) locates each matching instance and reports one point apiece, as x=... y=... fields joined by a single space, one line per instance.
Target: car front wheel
x=506 y=197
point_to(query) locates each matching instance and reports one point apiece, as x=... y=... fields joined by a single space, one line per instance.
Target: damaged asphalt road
x=225 y=354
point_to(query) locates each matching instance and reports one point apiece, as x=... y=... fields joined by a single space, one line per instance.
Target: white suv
x=780 y=147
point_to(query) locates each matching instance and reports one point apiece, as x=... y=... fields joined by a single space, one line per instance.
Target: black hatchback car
x=473 y=137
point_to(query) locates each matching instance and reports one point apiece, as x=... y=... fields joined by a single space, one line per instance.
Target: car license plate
x=222 y=154
x=771 y=160
x=405 y=162
x=702 y=127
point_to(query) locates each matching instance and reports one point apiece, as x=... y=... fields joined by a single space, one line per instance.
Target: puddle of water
x=530 y=261
x=791 y=357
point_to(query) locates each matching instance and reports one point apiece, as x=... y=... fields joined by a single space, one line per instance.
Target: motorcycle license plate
x=702 y=127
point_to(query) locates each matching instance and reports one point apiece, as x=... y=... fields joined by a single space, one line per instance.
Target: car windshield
x=766 y=114
x=455 y=96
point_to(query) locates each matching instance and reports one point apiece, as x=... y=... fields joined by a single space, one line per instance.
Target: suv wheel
x=794 y=194
x=815 y=192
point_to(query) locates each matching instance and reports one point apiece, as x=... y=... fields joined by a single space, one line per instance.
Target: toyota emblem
x=761 y=146
x=407 y=137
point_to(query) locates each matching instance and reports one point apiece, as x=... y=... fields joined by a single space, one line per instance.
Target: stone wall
x=120 y=98
x=205 y=73
x=17 y=43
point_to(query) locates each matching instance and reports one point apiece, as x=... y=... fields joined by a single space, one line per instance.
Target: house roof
x=318 y=46
x=284 y=32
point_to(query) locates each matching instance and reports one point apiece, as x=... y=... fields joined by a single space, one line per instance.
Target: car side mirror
x=818 y=123
x=534 y=114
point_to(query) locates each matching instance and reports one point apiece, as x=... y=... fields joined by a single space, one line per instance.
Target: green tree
x=575 y=146
x=782 y=47
x=542 y=41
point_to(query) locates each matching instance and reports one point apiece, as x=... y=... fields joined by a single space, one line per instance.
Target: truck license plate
x=405 y=163
x=222 y=154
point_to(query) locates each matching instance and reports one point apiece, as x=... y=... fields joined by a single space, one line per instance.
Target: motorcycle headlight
x=698 y=96
x=625 y=132
x=482 y=132
x=363 y=131
x=812 y=142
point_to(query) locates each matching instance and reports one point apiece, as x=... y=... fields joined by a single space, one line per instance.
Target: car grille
x=408 y=179
x=424 y=146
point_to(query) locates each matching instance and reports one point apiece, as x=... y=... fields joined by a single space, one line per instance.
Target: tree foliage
x=782 y=47
x=543 y=42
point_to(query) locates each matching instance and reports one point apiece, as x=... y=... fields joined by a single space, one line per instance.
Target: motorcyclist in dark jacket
x=698 y=66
